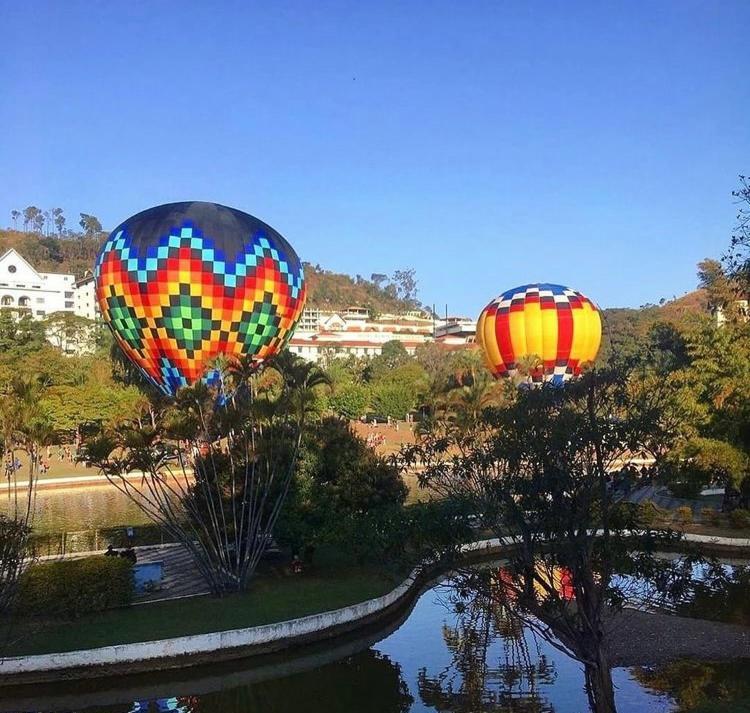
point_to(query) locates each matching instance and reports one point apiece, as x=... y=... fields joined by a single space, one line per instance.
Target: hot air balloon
x=558 y=325
x=183 y=283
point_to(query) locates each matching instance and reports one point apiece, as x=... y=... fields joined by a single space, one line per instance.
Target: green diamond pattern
x=124 y=321
x=187 y=322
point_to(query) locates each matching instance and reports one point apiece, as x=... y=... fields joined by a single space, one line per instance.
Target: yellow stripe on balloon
x=549 y=332
x=534 y=334
x=487 y=341
x=580 y=334
x=597 y=335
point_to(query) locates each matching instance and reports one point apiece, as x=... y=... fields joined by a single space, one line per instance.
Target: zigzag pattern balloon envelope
x=559 y=325
x=182 y=283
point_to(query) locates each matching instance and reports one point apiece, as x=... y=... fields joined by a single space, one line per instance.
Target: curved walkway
x=189 y=650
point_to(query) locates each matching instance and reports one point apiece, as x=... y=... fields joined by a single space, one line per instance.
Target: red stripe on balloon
x=564 y=332
x=502 y=335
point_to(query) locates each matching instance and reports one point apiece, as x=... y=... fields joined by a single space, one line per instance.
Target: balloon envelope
x=183 y=283
x=558 y=325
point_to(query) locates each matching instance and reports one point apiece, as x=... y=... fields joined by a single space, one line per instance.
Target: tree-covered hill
x=75 y=253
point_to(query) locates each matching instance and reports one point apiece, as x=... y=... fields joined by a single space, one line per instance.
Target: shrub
x=740 y=518
x=649 y=513
x=72 y=588
x=711 y=516
x=683 y=515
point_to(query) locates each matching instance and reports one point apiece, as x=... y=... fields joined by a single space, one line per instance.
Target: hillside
x=76 y=253
x=626 y=328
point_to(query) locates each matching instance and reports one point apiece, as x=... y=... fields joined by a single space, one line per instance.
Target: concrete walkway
x=660 y=495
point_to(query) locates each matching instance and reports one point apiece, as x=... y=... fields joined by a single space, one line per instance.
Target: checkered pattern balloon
x=558 y=325
x=182 y=283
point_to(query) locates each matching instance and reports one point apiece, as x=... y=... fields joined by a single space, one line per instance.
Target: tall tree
x=90 y=225
x=217 y=466
x=15 y=215
x=535 y=472
x=31 y=217
x=59 y=220
x=738 y=256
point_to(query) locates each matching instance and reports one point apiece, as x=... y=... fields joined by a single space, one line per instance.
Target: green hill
x=76 y=253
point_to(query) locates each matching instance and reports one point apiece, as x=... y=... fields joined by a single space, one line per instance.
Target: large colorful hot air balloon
x=182 y=283
x=556 y=324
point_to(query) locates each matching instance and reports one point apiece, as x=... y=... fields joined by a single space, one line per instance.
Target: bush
x=649 y=513
x=740 y=518
x=71 y=588
x=683 y=515
x=711 y=516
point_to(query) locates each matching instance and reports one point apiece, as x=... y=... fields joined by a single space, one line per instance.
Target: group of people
x=128 y=553
x=629 y=477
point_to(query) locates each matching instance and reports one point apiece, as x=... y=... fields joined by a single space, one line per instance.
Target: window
x=40 y=313
x=11 y=268
x=40 y=300
x=6 y=301
x=68 y=305
x=23 y=301
x=68 y=295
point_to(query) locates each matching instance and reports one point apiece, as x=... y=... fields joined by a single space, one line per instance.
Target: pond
x=435 y=659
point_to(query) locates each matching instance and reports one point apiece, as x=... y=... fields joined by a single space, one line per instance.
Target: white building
x=22 y=287
x=85 y=298
x=456 y=331
x=324 y=333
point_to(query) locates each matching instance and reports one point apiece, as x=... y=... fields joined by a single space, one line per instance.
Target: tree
x=700 y=462
x=59 y=220
x=350 y=400
x=406 y=283
x=19 y=333
x=217 y=464
x=535 y=472
x=90 y=225
x=70 y=332
x=393 y=400
x=737 y=258
x=15 y=215
x=343 y=492
x=721 y=290
x=31 y=217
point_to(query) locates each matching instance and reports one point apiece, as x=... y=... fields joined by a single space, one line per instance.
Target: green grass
x=274 y=596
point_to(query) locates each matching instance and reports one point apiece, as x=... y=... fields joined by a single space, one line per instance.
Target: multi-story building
x=22 y=287
x=456 y=331
x=85 y=298
x=324 y=333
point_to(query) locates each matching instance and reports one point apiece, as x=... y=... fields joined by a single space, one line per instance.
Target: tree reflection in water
x=477 y=679
x=368 y=682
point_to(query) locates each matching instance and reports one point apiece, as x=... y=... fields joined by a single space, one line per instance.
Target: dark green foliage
x=700 y=462
x=349 y=400
x=339 y=484
x=740 y=518
x=703 y=686
x=72 y=588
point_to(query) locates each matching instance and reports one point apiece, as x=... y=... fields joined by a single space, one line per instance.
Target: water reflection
x=479 y=678
x=450 y=654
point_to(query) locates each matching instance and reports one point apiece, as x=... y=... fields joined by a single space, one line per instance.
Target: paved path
x=660 y=495
x=181 y=576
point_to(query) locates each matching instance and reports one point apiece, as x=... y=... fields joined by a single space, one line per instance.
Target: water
x=436 y=660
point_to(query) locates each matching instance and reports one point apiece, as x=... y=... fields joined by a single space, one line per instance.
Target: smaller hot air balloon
x=558 y=325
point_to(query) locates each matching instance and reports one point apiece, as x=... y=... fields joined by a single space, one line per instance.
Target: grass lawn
x=274 y=596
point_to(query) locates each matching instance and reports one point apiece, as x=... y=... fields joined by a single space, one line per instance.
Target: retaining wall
x=234 y=643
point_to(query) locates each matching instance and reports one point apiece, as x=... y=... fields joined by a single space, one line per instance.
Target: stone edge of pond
x=185 y=651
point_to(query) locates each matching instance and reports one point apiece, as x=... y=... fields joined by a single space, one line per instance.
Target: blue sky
x=486 y=144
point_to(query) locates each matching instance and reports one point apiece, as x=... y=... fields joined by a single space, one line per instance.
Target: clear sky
x=486 y=144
